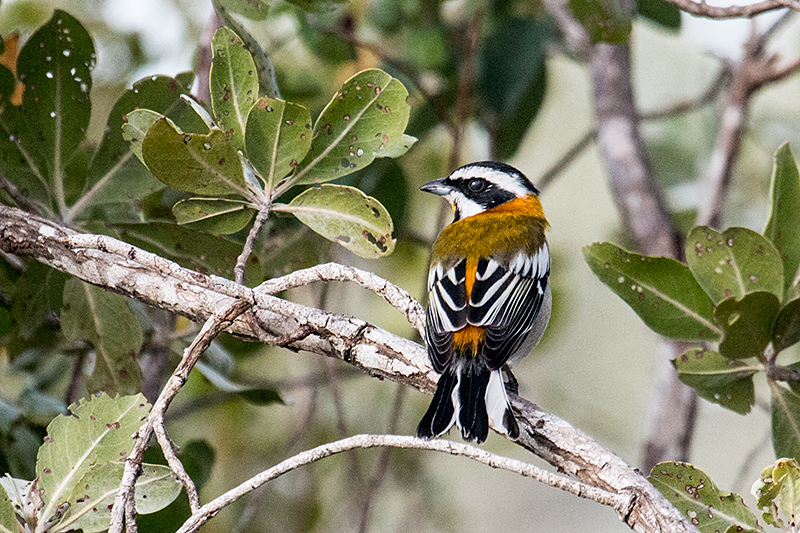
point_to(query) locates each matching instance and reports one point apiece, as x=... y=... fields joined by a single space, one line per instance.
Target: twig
x=176 y=465
x=702 y=9
x=569 y=156
x=398 y=298
x=133 y=464
x=618 y=502
x=204 y=58
x=241 y=261
x=466 y=81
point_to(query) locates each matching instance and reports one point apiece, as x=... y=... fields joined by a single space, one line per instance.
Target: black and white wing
x=506 y=301
x=447 y=311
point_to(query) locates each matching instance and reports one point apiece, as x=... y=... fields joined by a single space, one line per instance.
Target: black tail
x=480 y=395
x=472 y=417
x=440 y=414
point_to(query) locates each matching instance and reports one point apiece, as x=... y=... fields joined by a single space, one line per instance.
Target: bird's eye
x=476 y=185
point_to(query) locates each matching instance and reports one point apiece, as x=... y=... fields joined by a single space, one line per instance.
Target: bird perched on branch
x=489 y=299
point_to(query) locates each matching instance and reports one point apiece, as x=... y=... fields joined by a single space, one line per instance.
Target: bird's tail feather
x=441 y=413
x=473 y=397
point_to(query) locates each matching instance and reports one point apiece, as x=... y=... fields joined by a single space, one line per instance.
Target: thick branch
x=133 y=272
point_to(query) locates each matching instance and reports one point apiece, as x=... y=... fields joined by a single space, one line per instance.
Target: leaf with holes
x=787 y=326
x=367 y=116
x=105 y=320
x=92 y=498
x=194 y=163
x=278 y=137
x=115 y=175
x=779 y=485
x=693 y=493
x=233 y=82
x=660 y=290
x=219 y=216
x=784 y=218
x=733 y=263
x=717 y=379
x=347 y=216
x=98 y=430
x=785 y=414
x=747 y=324
x=55 y=65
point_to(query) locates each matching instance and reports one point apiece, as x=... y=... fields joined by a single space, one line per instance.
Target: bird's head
x=476 y=187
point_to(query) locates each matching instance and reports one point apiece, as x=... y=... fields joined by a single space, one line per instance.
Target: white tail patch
x=455 y=399
x=496 y=402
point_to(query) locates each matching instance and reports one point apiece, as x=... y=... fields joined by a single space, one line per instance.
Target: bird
x=489 y=299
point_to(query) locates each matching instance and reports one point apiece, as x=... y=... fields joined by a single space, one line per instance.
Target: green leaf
x=367 y=116
x=36 y=294
x=707 y=369
x=114 y=174
x=738 y=396
x=347 y=216
x=8 y=517
x=661 y=12
x=784 y=218
x=254 y=395
x=780 y=482
x=233 y=82
x=191 y=249
x=717 y=379
x=606 y=21
x=194 y=163
x=693 y=493
x=317 y=6
x=55 y=65
x=787 y=326
x=278 y=137
x=398 y=149
x=251 y=9
x=219 y=216
x=93 y=496
x=138 y=122
x=747 y=324
x=98 y=430
x=785 y=410
x=660 y=290
x=734 y=263
x=18 y=165
x=105 y=320
x=513 y=79
x=7 y=82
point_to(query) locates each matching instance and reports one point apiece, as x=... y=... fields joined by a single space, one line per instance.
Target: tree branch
x=133 y=272
x=619 y=502
x=702 y=9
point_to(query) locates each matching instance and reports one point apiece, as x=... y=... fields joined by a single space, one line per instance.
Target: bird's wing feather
x=505 y=300
x=447 y=311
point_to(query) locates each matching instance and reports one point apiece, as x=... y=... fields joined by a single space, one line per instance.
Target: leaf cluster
x=739 y=290
x=79 y=469
x=256 y=148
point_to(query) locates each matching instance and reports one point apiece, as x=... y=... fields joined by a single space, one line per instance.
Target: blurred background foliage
x=487 y=80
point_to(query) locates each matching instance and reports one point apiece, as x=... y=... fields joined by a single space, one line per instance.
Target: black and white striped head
x=476 y=187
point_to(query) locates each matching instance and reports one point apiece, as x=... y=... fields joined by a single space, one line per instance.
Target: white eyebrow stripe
x=501 y=179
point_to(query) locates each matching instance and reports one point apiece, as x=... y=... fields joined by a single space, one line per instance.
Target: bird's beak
x=438 y=187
